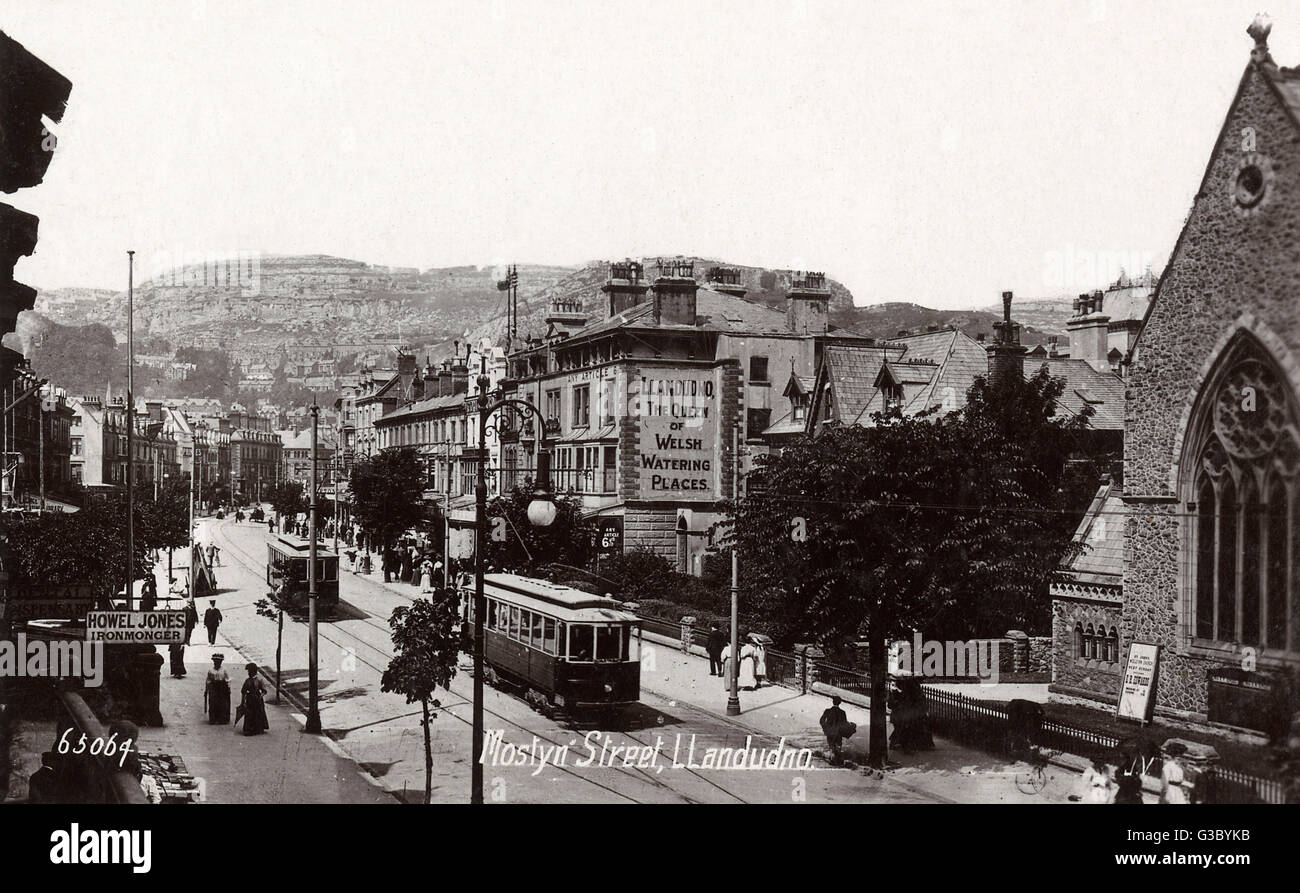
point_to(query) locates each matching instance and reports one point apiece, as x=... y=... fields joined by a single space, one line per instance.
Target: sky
x=936 y=152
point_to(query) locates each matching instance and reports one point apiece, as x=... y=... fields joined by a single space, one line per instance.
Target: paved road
x=540 y=759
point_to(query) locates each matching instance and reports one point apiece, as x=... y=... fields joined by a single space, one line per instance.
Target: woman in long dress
x=747 y=680
x=252 y=706
x=426 y=576
x=726 y=667
x=217 y=692
x=760 y=662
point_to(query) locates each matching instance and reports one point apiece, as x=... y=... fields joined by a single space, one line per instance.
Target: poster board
x=1138 y=684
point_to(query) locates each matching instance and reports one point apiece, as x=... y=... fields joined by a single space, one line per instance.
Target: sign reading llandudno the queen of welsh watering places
x=678 y=442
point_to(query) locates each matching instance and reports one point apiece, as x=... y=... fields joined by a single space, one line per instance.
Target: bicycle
x=1033 y=781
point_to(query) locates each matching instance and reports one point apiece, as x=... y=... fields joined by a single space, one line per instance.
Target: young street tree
x=425 y=651
x=525 y=549
x=273 y=607
x=918 y=523
x=288 y=500
x=386 y=496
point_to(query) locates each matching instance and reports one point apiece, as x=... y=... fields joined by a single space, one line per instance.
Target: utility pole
x=733 y=665
x=130 y=428
x=313 y=708
x=40 y=417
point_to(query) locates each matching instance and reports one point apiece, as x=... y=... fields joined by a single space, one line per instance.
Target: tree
x=387 y=496
x=273 y=607
x=892 y=528
x=425 y=652
x=164 y=523
x=526 y=549
x=288 y=500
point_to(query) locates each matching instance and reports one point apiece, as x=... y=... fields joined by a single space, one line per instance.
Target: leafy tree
x=215 y=374
x=527 y=549
x=387 y=496
x=164 y=523
x=425 y=651
x=277 y=601
x=896 y=527
x=288 y=500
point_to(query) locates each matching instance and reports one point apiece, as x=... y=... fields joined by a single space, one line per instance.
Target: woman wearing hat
x=252 y=706
x=216 y=692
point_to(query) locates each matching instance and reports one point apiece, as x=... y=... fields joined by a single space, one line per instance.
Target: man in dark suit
x=716 y=642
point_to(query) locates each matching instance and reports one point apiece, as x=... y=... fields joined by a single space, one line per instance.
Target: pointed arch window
x=1241 y=489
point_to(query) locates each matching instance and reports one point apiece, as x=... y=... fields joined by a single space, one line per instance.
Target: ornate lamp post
x=541 y=512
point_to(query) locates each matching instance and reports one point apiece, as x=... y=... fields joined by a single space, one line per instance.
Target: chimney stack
x=1089 y=330
x=625 y=286
x=725 y=280
x=809 y=304
x=674 y=293
x=1006 y=354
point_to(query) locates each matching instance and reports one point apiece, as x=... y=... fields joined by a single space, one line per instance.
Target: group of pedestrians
x=252 y=701
x=751 y=669
x=1120 y=780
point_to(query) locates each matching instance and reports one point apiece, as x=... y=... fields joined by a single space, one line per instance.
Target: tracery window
x=1244 y=498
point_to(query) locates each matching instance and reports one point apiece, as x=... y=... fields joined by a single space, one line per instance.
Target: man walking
x=714 y=646
x=216 y=556
x=212 y=620
x=191 y=618
x=836 y=726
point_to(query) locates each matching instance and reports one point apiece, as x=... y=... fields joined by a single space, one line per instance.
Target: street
x=555 y=759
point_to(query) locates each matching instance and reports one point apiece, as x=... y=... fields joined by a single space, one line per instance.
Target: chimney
x=444 y=379
x=725 y=280
x=432 y=386
x=566 y=315
x=809 y=305
x=1053 y=346
x=1089 y=330
x=674 y=293
x=459 y=374
x=154 y=408
x=624 y=286
x=980 y=337
x=1006 y=353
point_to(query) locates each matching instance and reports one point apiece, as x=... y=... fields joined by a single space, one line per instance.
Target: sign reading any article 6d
x=1139 y=681
x=678 y=419
x=136 y=627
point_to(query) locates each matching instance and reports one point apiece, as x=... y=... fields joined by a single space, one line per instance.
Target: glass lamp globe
x=541 y=511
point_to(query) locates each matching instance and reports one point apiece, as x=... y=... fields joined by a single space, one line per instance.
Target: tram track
x=644 y=776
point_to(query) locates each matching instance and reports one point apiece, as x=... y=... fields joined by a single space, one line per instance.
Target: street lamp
x=541 y=512
x=313 y=707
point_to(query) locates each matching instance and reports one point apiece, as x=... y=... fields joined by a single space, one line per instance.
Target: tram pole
x=313 y=709
x=480 y=603
x=733 y=665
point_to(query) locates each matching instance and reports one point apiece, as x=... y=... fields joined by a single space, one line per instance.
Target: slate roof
x=421 y=406
x=1101 y=561
x=1085 y=385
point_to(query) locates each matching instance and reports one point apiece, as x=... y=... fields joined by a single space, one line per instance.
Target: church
x=1198 y=549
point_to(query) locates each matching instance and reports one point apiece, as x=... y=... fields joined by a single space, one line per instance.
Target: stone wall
x=1070 y=671
x=1232 y=270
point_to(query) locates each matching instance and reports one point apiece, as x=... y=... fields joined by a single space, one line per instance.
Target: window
x=1089 y=643
x=525 y=625
x=1078 y=641
x=581 y=406
x=561 y=638
x=514 y=623
x=757 y=369
x=581 y=643
x=553 y=404
x=1242 y=483
x=758 y=420
x=539 y=628
x=1112 y=646
x=609 y=643
x=548 y=635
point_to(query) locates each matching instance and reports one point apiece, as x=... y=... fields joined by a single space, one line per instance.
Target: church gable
x=1235 y=268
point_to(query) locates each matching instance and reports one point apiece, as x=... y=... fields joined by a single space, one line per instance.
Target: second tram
x=286 y=562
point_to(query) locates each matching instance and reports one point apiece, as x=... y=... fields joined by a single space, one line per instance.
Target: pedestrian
x=836 y=727
x=212 y=619
x=216 y=692
x=191 y=619
x=745 y=677
x=211 y=554
x=426 y=577
x=713 y=645
x=1128 y=779
x=760 y=660
x=176 y=651
x=1173 y=778
x=175 y=589
x=725 y=657
x=149 y=594
x=1096 y=784
x=216 y=556
x=252 y=703
x=270 y=525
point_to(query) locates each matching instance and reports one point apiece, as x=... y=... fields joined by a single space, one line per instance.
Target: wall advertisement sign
x=1136 y=698
x=677 y=414
x=136 y=627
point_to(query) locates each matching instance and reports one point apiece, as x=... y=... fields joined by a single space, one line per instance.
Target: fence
x=842 y=677
x=784 y=669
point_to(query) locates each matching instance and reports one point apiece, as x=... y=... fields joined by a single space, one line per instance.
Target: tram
x=564 y=647
x=286 y=562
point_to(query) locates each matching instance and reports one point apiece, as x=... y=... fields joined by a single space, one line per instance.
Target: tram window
x=503 y=617
x=525 y=624
x=609 y=643
x=561 y=638
x=581 y=643
x=548 y=635
x=631 y=643
x=491 y=614
x=537 y=630
x=514 y=623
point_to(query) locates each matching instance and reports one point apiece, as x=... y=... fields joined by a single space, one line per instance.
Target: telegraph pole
x=130 y=428
x=313 y=708
x=733 y=665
